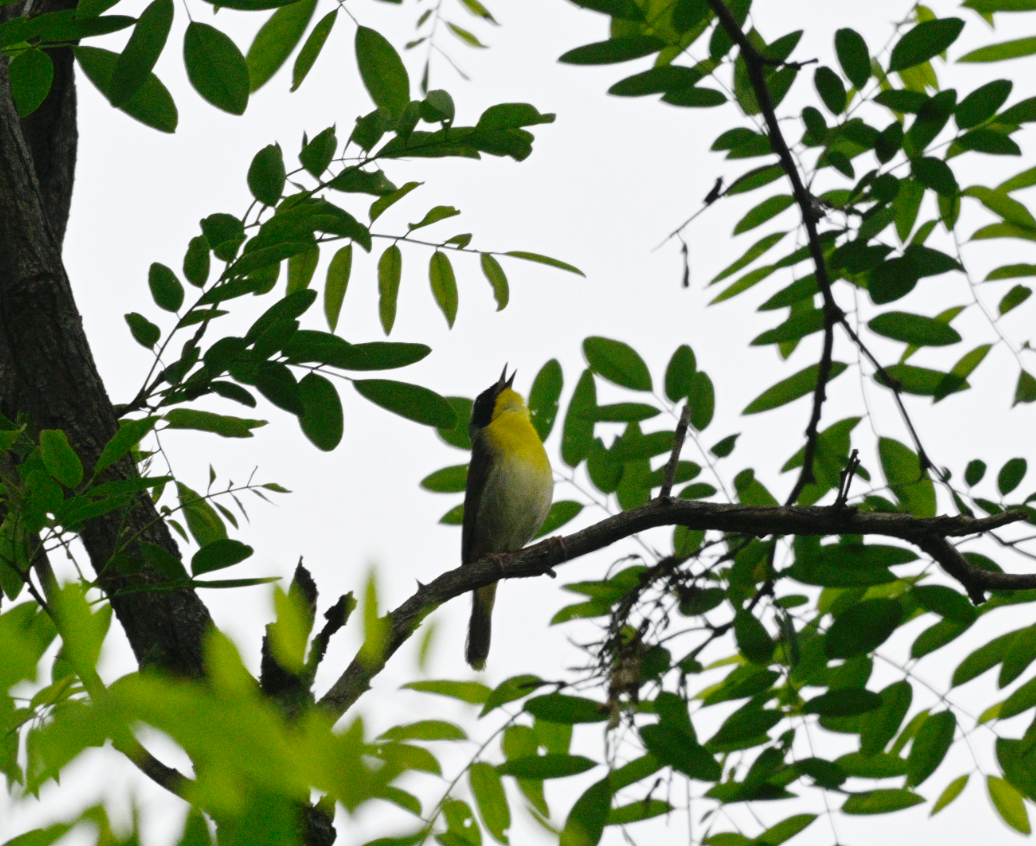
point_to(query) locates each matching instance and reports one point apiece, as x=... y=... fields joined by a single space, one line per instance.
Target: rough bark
x=48 y=373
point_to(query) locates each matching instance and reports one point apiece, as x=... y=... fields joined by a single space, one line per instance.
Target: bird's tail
x=480 y=626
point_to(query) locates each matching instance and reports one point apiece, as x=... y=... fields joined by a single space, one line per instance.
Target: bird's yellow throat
x=511 y=430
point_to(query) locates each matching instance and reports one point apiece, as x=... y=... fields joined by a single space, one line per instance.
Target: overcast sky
x=604 y=186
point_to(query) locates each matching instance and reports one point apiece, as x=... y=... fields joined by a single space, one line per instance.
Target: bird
x=509 y=490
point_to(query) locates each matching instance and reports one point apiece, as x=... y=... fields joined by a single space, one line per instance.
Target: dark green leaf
x=558 y=708
x=495 y=274
x=338 y=272
x=129 y=435
x=410 y=401
x=752 y=638
x=539 y=259
x=702 y=399
x=914 y=329
x=219 y=554
x=457 y=435
x=204 y=524
x=206 y=421
x=767 y=209
x=544 y=397
x=1025 y=391
x=578 y=435
x=383 y=73
x=617 y=362
x=444 y=285
x=31 y=73
x=275 y=41
x=614 y=50
x=854 y=57
x=266 y=175
x=390 y=269
x=216 y=68
x=560 y=513
x=843 y=703
x=882 y=724
x=862 y=628
x=151 y=105
x=166 y=290
x=541 y=767
x=321 y=419
x=311 y=49
x=1011 y=475
x=679 y=374
x=59 y=458
x=790 y=389
x=586 y=820
x=924 y=41
x=448 y=480
x=1013 y=298
x=930 y=747
x=141 y=52
x=679 y=750
x=143 y=330
x=830 y=88
x=981 y=104
x=516 y=687
x=880 y=801
x=935 y=174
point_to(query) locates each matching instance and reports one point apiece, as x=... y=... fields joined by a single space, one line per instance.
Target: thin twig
x=674 y=457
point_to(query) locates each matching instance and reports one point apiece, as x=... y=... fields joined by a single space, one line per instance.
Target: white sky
x=604 y=185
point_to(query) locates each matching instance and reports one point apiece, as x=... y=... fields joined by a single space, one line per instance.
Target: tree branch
x=674 y=456
x=928 y=533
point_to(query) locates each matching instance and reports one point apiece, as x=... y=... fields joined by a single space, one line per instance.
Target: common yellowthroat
x=509 y=492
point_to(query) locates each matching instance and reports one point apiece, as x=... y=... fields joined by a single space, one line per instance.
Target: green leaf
x=129 y=435
x=166 y=290
x=577 y=438
x=1013 y=298
x=266 y=175
x=982 y=659
x=830 y=88
x=1001 y=52
x=1025 y=391
x=617 y=362
x=410 y=401
x=338 y=272
x=586 y=820
x=1009 y=804
x=880 y=801
x=444 y=285
x=204 y=524
x=862 y=628
x=843 y=703
x=495 y=274
x=952 y=791
x=311 y=49
x=321 y=420
x=644 y=809
x=679 y=750
x=767 y=209
x=702 y=399
x=491 y=800
x=458 y=435
x=390 y=269
x=982 y=103
x=216 y=68
x=434 y=216
x=219 y=554
x=31 y=74
x=914 y=329
x=784 y=830
x=751 y=254
x=930 y=746
x=275 y=41
x=516 y=687
x=60 y=459
x=143 y=330
x=881 y=725
x=448 y=480
x=425 y=730
x=541 y=767
x=802 y=383
x=613 y=51
x=539 y=259
x=1011 y=475
x=545 y=396
x=752 y=638
x=679 y=373
x=151 y=105
x=924 y=41
x=141 y=52
x=558 y=708
x=560 y=513
x=471 y=692
x=382 y=71
x=903 y=472
x=935 y=174
x=855 y=59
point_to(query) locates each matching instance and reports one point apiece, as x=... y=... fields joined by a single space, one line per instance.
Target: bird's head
x=495 y=400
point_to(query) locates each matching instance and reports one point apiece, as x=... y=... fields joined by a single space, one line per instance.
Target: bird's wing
x=478 y=472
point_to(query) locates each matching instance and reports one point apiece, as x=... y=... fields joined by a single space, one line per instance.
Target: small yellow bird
x=509 y=492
